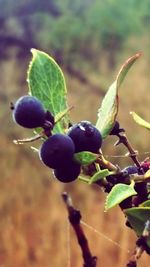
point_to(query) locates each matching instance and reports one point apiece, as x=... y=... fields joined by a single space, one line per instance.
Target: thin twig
x=28 y=140
x=75 y=218
x=132 y=153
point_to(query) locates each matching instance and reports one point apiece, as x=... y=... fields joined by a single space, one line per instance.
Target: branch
x=74 y=218
x=132 y=153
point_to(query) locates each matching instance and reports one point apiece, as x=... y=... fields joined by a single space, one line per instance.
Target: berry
x=86 y=137
x=145 y=165
x=29 y=112
x=68 y=173
x=131 y=170
x=141 y=189
x=57 y=150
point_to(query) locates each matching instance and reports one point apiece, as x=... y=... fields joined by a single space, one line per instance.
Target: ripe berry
x=57 y=150
x=145 y=165
x=86 y=137
x=29 y=112
x=68 y=173
x=131 y=169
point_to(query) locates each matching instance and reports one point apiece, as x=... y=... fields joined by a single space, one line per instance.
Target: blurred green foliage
x=77 y=30
x=85 y=28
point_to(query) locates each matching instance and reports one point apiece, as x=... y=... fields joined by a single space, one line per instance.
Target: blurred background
x=90 y=39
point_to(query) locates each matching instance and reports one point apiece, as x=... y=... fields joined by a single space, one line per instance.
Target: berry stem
x=139 y=178
x=106 y=164
x=84 y=179
x=59 y=117
x=132 y=153
x=28 y=140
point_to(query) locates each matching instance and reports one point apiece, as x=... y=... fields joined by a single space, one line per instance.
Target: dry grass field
x=34 y=230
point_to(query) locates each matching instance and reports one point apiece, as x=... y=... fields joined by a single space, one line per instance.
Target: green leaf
x=109 y=109
x=119 y=193
x=101 y=174
x=125 y=68
x=145 y=204
x=137 y=217
x=85 y=157
x=140 y=121
x=61 y=114
x=47 y=83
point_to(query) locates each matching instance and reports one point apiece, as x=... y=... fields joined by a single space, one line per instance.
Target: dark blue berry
x=57 y=150
x=67 y=173
x=131 y=170
x=86 y=137
x=29 y=112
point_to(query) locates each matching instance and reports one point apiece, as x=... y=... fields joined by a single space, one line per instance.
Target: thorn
x=118 y=142
x=121 y=130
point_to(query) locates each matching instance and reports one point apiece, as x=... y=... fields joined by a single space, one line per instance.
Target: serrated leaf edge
x=134 y=193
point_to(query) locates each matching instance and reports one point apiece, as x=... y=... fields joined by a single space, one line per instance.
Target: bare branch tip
x=65 y=196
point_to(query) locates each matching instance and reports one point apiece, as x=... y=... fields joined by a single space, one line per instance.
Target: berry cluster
x=57 y=151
